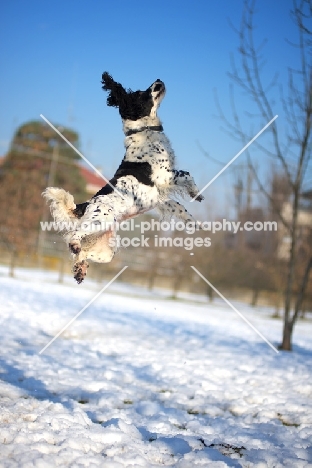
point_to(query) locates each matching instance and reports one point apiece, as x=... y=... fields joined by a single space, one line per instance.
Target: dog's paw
x=80 y=271
x=75 y=247
x=198 y=198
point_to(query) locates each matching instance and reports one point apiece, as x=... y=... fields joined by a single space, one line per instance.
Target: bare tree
x=290 y=148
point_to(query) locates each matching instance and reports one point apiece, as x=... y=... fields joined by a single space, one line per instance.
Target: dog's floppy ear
x=117 y=93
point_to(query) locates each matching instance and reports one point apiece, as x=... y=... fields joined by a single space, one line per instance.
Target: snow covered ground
x=143 y=381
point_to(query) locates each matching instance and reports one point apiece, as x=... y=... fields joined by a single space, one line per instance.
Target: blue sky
x=53 y=55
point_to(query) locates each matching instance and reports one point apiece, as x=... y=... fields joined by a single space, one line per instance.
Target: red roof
x=93 y=181
x=92 y=178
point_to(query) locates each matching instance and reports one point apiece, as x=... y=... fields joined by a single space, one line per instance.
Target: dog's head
x=133 y=105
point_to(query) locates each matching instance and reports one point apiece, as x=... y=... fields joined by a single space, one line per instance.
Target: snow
x=139 y=380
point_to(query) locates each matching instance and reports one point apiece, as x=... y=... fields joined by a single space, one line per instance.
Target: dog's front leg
x=185 y=180
x=172 y=208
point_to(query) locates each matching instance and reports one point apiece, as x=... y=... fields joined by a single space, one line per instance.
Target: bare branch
x=207 y=155
x=267 y=194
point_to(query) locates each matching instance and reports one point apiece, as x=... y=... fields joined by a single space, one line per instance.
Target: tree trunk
x=61 y=270
x=12 y=263
x=152 y=278
x=301 y=293
x=287 y=337
x=254 y=298
x=210 y=293
x=287 y=330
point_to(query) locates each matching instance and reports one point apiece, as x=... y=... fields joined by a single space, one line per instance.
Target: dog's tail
x=61 y=204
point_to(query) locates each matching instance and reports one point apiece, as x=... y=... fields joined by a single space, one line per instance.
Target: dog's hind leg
x=80 y=270
x=80 y=267
x=89 y=226
x=101 y=214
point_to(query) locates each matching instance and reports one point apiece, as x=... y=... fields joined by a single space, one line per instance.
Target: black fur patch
x=158 y=86
x=80 y=209
x=142 y=171
x=107 y=189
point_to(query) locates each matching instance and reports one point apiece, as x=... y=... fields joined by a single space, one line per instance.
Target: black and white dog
x=145 y=179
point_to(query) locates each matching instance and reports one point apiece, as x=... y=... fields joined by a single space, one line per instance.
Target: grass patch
x=286 y=423
x=192 y=411
x=180 y=426
x=228 y=449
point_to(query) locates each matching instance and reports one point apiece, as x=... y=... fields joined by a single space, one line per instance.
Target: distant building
x=304 y=225
x=253 y=239
x=93 y=181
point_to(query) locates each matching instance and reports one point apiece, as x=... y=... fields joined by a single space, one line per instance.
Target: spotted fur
x=146 y=178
